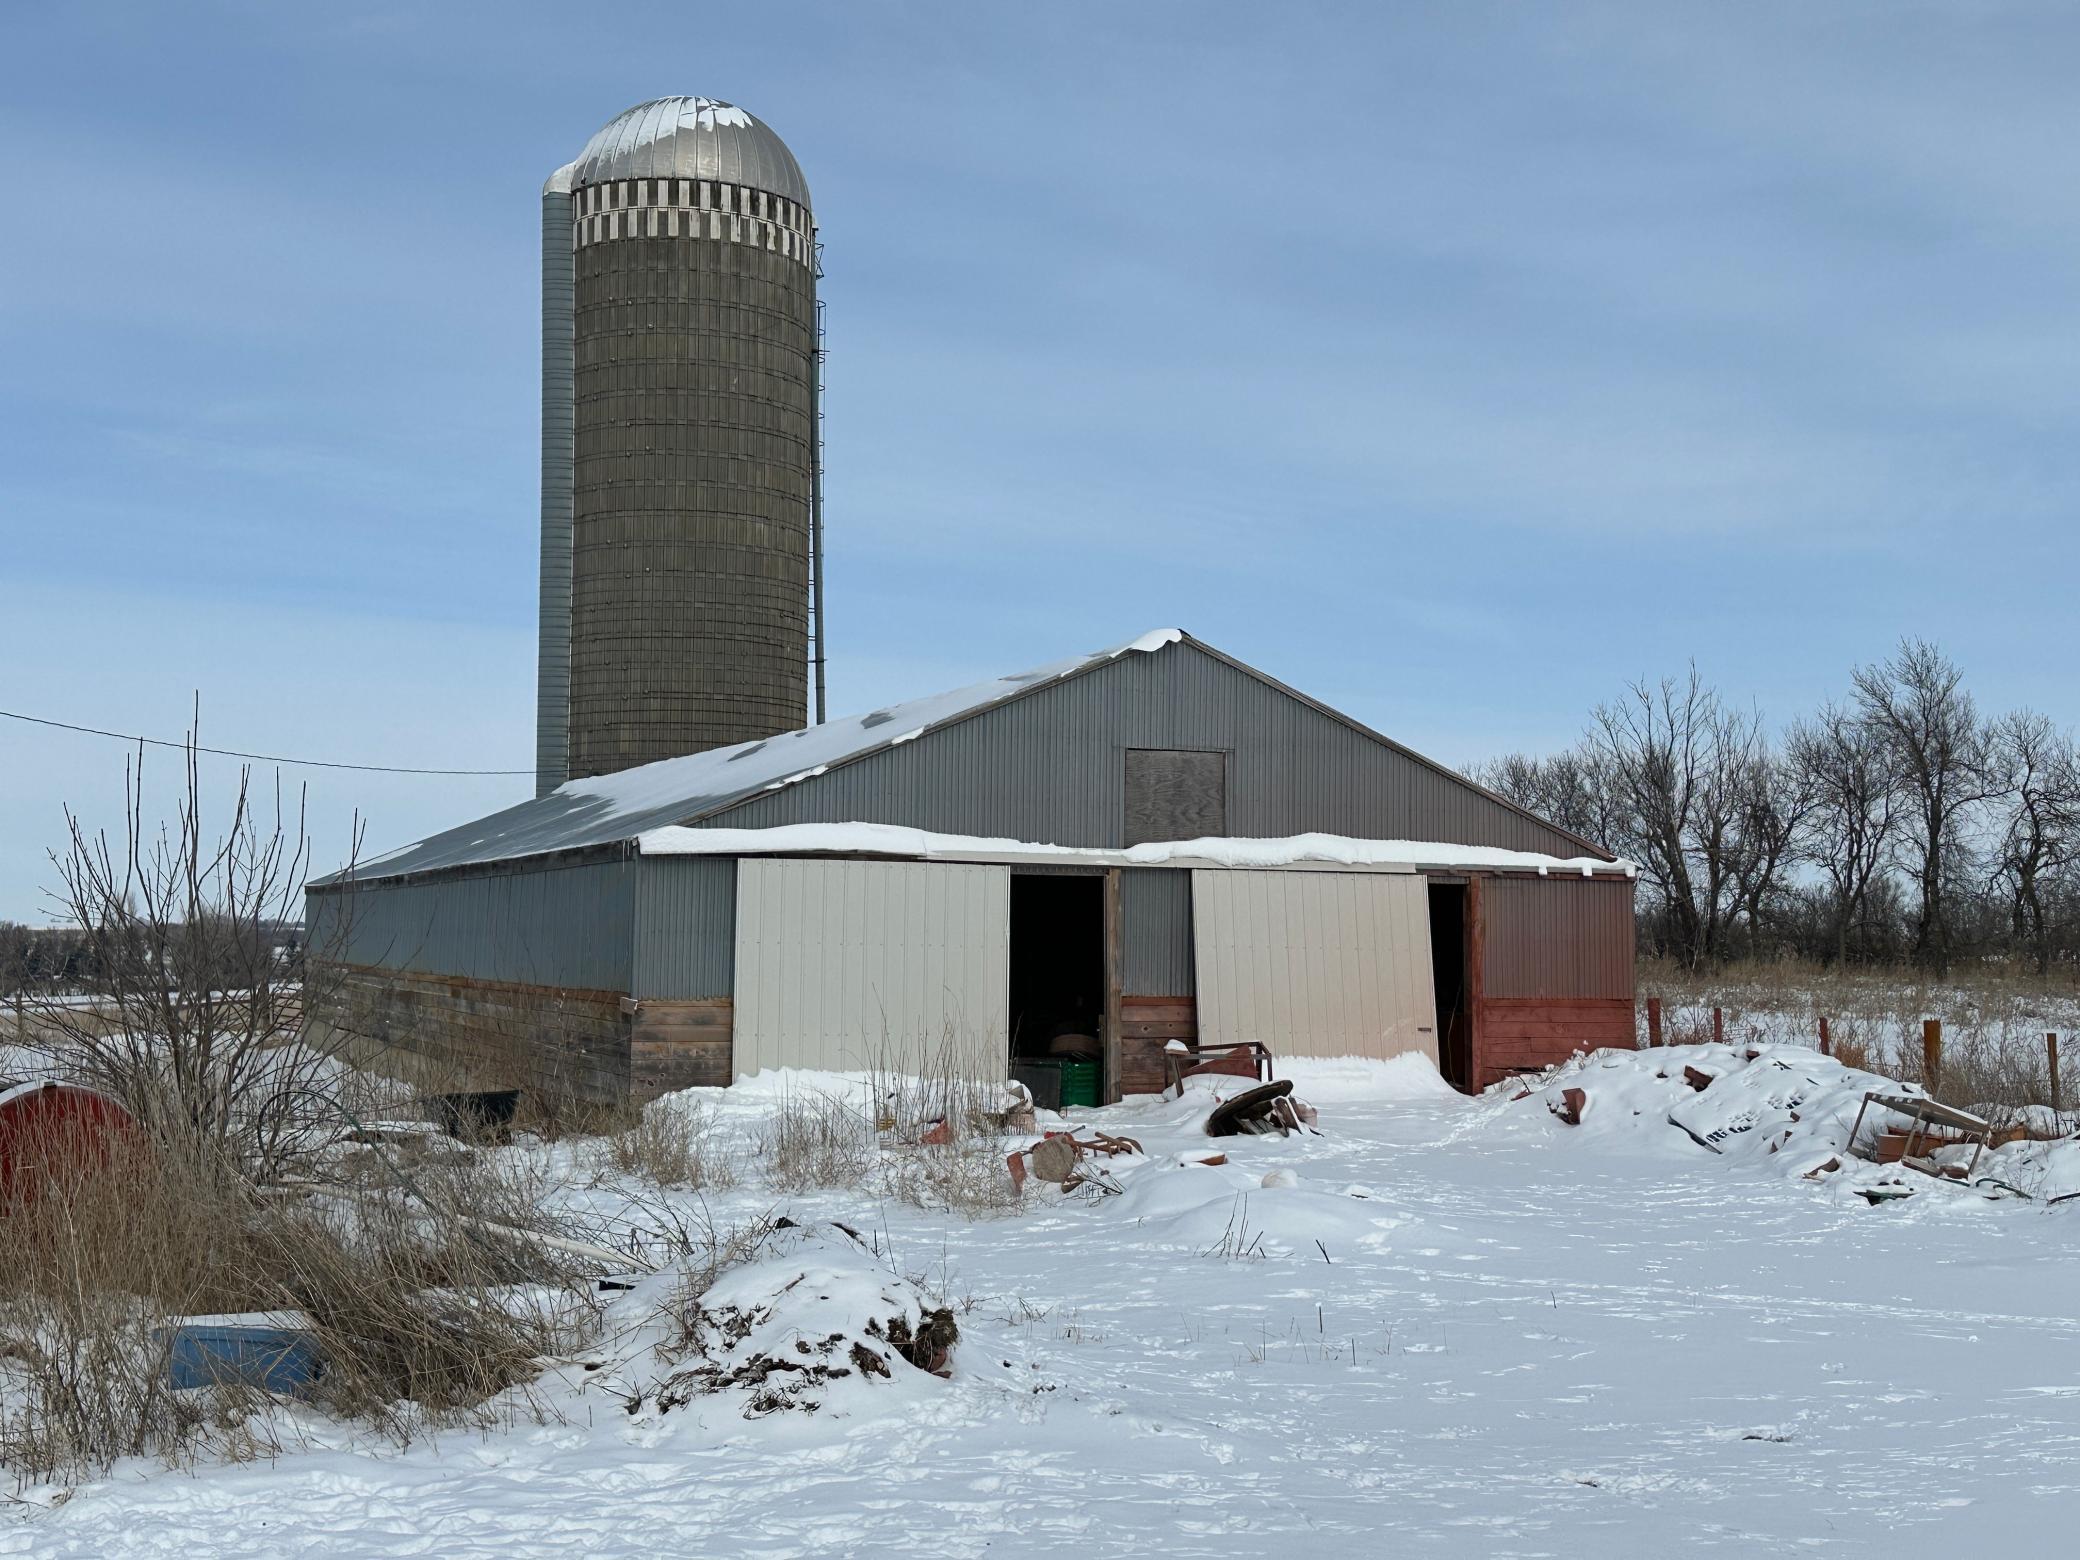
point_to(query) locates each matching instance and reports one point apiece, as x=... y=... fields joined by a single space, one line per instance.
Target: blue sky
x=1453 y=362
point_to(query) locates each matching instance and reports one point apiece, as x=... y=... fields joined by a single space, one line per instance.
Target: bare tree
x=1847 y=765
x=1571 y=789
x=1767 y=841
x=1682 y=770
x=2039 y=778
x=1942 y=753
x=196 y=1012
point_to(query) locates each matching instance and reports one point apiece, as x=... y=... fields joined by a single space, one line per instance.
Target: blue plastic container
x=272 y=1350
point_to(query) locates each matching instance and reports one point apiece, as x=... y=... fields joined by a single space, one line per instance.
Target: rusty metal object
x=1929 y=1117
x=1244 y=1059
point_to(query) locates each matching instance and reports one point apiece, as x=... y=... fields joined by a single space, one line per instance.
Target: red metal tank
x=56 y=1131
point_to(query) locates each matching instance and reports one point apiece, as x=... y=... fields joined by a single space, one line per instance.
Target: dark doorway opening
x=1448 y=961
x=1057 y=964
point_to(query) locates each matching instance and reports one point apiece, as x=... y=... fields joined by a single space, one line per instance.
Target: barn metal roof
x=608 y=809
x=689 y=138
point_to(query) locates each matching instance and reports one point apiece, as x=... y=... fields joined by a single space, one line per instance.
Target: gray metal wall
x=1155 y=911
x=685 y=926
x=1051 y=767
x=1557 y=937
x=553 y=664
x=694 y=447
x=536 y=925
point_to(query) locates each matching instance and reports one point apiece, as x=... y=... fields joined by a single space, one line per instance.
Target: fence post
x=1931 y=1054
x=1654 y=1031
x=1826 y=1045
x=1718 y=1026
x=2051 y=1051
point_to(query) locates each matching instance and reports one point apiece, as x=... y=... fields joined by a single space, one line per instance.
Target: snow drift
x=811 y=1320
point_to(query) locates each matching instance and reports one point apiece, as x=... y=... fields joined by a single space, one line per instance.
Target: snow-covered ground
x=1465 y=1329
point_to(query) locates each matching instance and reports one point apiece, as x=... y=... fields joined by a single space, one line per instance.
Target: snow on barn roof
x=1298 y=850
x=607 y=809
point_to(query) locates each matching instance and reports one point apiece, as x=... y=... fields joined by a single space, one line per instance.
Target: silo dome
x=691 y=138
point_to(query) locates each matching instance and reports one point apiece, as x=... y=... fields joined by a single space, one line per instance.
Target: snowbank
x=1780 y=1108
x=1348 y=1079
x=814 y=1323
x=1230 y=1211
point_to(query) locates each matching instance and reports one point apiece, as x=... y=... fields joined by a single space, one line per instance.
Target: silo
x=682 y=455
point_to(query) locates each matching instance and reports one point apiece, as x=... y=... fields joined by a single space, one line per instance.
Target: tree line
x=216 y=950
x=1896 y=825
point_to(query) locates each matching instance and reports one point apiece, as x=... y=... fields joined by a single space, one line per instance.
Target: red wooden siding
x=1518 y=1034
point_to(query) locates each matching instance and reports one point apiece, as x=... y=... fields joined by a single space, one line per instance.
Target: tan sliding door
x=1315 y=963
x=848 y=965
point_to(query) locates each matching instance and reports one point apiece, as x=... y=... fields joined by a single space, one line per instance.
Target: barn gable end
x=1050 y=766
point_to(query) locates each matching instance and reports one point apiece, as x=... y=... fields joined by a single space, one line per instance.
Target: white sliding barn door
x=1315 y=963
x=846 y=965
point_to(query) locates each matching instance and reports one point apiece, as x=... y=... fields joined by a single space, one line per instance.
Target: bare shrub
x=672 y=1143
x=945 y=1118
x=192 y=1010
x=817 y=1140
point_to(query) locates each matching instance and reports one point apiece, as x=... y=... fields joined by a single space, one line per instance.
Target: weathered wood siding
x=1148 y=1025
x=451 y=1032
x=679 y=1045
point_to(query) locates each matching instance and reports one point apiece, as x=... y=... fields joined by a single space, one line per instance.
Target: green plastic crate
x=1079 y=1083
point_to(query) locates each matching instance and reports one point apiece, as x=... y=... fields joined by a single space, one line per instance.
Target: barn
x=1148 y=844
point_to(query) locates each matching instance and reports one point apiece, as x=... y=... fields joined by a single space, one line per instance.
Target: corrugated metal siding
x=1051 y=767
x=850 y=964
x=538 y=925
x=1155 y=909
x=1315 y=963
x=685 y=926
x=1557 y=937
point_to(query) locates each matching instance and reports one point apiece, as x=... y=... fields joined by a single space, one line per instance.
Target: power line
x=264 y=758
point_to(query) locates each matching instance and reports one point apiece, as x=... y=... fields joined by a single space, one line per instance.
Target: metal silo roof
x=691 y=138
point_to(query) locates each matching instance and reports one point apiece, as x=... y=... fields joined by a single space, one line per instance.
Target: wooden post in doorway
x=1476 y=979
x=1115 y=944
x=1826 y=1044
x=2051 y=1055
x=1654 y=1022
x=1931 y=1054
x=1718 y=1026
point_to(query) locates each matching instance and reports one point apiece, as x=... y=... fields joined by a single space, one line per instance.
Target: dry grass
x=814 y=1140
x=421 y=1317
x=673 y=1143
x=1994 y=1020
x=923 y=1129
x=946 y=1122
